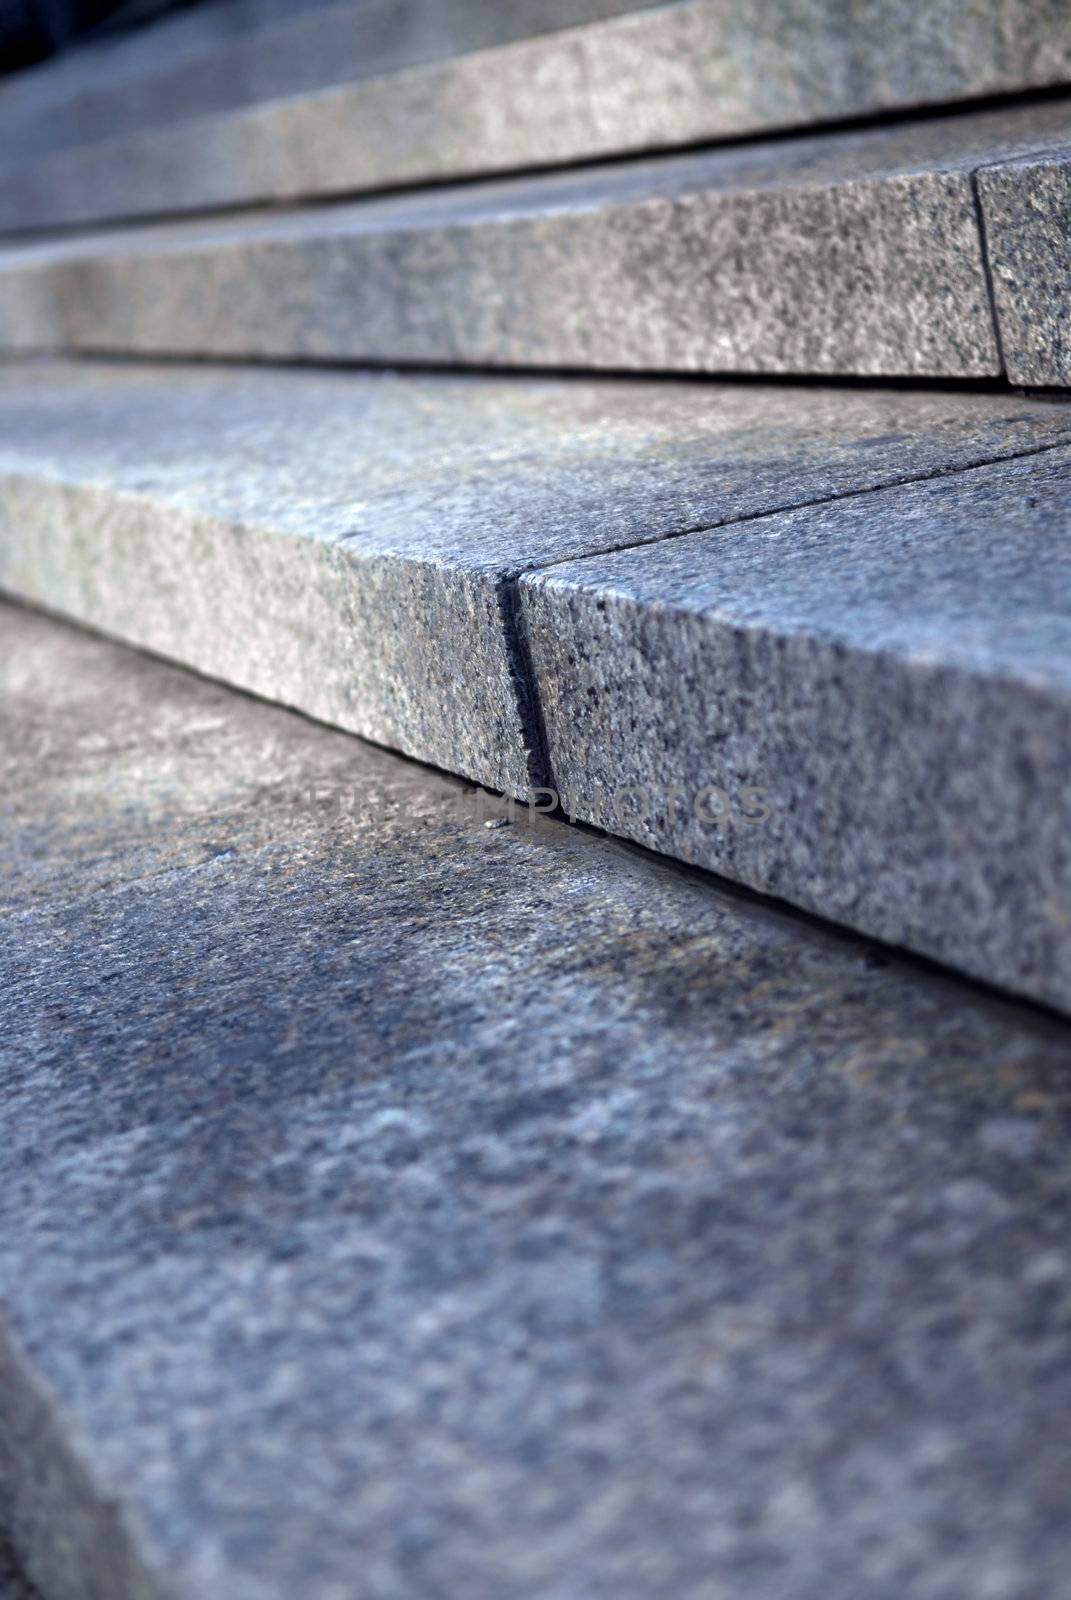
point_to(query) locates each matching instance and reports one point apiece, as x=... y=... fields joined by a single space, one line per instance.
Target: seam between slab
x=525 y=682
x=615 y=548
x=1042 y=152
x=987 y=270
x=525 y=678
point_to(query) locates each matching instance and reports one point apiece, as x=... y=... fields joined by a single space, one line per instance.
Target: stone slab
x=1027 y=209
x=884 y=681
x=391 y=1204
x=857 y=254
x=671 y=75
x=348 y=543
x=846 y=254
x=211 y=58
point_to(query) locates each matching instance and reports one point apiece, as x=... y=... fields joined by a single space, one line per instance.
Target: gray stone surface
x=838 y=254
x=393 y=1205
x=229 y=53
x=891 y=672
x=346 y=543
x=674 y=74
x=1027 y=209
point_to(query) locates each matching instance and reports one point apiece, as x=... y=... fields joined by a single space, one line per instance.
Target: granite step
x=348 y=543
x=391 y=1204
x=848 y=254
x=695 y=71
x=863 y=707
x=199 y=61
x=1026 y=203
x=875 y=679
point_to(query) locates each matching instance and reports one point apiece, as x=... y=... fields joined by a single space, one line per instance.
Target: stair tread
x=383 y=1194
x=391 y=554
x=847 y=254
x=891 y=671
x=233 y=53
x=609 y=85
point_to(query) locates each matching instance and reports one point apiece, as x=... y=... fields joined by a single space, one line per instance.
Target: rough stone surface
x=1027 y=209
x=841 y=254
x=656 y=267
x=390 y=1204
x=891 y=672
x=237 y=52
x=345 y=543
x=673 y=75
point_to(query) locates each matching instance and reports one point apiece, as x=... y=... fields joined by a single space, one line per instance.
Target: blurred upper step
x=220 y=55
x=377 y=94
x=858 y=254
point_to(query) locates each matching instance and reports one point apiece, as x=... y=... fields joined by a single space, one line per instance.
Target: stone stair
x=628 y=593
x=600 y=1131
x=875 y=253
x=397 y=1199
x=451 y=88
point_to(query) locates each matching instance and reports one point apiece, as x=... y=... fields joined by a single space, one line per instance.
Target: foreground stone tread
x=346 y=543
x=892 y=672
x=390 y=1203
x=846 y=254
x=675 y=74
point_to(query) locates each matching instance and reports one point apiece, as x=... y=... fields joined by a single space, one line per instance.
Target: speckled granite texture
x=396 y=1205
x=674 y=74
x=892 y=673
x=346 y=543
x=857 y=254
x=1027 y=209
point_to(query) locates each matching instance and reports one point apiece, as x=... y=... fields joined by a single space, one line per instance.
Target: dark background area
x=30 y=30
